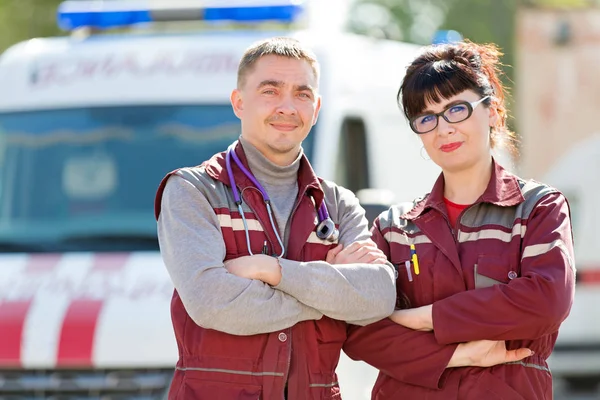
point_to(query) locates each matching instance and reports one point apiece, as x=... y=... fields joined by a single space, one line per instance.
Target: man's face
x=277 y=104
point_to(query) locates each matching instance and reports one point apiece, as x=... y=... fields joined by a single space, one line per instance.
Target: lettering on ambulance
x=67 y=71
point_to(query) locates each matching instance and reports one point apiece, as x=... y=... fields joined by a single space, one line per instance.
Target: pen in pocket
x=415 y=259
x=408 y=271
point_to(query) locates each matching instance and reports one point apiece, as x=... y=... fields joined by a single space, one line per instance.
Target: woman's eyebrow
x=449 y=104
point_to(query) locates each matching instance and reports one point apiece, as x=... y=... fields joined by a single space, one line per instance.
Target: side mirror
x=375 y=201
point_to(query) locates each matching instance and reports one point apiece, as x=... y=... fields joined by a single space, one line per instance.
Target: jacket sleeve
x=193 y=251
x=530 y=306
x=356 y=293
x=409 y=356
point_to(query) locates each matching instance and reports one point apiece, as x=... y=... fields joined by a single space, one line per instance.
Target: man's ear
x=237 y=103
x=317 y=109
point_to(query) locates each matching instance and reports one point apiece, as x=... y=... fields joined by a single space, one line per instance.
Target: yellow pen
x=415 y=259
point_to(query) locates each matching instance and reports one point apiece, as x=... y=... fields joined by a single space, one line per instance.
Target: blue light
x=444 y=37
x=75 y=14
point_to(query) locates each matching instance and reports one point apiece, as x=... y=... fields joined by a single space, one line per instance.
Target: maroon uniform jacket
x=216 y=365
x=505 y=273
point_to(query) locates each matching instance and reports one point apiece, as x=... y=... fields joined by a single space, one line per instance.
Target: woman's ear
x=494 y=116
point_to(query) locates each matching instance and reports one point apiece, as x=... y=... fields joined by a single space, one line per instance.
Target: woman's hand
x=486 y=353
x=419 y=319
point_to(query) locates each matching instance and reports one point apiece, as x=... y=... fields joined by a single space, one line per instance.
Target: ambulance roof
x=123 y=69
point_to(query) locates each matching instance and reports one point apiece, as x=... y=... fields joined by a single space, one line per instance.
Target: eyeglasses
x=455 y=113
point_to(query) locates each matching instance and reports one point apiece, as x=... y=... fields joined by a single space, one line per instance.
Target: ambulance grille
x=97 y=384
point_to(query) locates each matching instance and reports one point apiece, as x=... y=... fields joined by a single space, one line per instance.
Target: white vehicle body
x=577 y=353
x=557 y=78
x=88 y=127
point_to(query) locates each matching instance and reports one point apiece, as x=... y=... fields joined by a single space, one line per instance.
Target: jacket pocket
x=492 y=270
x=412 y=289
x=493 y=388
x=206 y=390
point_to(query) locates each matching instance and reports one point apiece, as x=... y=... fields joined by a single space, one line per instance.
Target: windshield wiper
x=110 y=241
x=110 y=237
x=21 y=247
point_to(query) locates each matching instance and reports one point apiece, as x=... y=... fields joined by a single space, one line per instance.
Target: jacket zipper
x=289 y=362
x=289 y=356
x=288 y=222
x=456 y=232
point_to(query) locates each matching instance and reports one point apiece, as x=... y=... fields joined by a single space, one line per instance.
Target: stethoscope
x=326 y=229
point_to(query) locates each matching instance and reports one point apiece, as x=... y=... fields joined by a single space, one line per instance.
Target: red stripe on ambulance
x=12 y=321
x=76 y=343
x=589 y=276
x=110 y=261
x=40 y=263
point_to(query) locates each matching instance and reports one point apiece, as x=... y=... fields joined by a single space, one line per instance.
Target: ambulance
x=576 y=357
x=89 y=124
x=557 y=103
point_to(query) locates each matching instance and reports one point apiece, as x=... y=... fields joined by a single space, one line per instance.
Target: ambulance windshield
x=85 y=179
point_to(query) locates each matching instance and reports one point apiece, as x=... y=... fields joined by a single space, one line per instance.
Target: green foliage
x=481 y=21
x=24 y=19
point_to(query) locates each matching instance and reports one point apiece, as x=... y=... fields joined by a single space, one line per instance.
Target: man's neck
x=277 y=158
x=265 y=170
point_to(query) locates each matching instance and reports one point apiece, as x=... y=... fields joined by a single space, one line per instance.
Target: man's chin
x=285 y=148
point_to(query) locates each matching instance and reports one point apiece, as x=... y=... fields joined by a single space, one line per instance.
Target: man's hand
x=259 y=266
x=419 y=319
x=485 y=353
x=364 y=252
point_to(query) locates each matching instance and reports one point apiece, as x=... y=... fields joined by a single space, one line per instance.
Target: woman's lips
x=447 y=148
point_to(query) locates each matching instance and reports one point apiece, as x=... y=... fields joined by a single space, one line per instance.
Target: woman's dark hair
x=443 y=71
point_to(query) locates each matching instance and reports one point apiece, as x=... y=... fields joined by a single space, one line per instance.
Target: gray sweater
x=193 y=251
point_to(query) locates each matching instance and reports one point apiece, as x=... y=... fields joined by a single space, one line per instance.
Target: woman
x=485 y=255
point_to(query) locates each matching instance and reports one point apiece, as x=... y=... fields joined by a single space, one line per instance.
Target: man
x=251 y=326
x=264 y=284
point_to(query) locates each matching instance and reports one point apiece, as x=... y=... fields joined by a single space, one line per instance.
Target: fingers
x=360 y=246
x=331 y=254
x=365 y=252
x=518 y=354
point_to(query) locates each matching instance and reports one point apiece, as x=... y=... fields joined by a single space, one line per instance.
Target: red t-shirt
x=454 y=210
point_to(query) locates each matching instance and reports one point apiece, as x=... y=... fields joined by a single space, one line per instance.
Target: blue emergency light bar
x=73 y=14
x=446 y=37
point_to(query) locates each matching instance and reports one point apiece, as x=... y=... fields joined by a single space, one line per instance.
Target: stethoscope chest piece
x=326 y=230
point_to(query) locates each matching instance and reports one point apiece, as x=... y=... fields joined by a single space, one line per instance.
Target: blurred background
x=80 y=160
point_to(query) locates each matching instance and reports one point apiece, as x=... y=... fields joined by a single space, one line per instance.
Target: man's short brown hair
x=277 y=46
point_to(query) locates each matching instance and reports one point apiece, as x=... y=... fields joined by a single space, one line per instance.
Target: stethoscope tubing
x=323 y=214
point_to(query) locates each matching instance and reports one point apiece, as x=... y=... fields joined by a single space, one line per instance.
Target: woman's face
x=459 y=146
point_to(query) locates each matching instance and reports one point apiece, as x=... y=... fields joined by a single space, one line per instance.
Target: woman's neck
x=466 y=186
